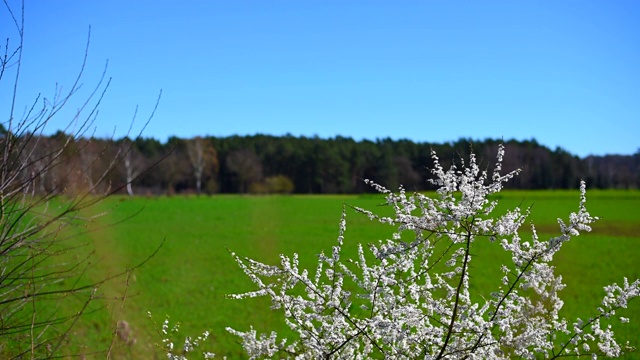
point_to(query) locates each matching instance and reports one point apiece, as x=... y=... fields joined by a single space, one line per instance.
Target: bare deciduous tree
x=133 y=162
x=46 y=188
x=204 y=159
x=246 y=165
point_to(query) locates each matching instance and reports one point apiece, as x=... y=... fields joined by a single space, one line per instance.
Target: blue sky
x=566 y=73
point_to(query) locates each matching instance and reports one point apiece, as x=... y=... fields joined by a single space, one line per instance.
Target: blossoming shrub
x=409 y=296
x=189 y=344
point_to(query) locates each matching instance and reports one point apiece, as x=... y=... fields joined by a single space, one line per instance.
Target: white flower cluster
x=189 y=345
x=409 y=297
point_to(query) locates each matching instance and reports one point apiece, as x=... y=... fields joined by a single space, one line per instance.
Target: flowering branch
x=409 y=296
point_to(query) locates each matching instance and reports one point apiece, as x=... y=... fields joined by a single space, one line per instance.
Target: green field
x=193 y=271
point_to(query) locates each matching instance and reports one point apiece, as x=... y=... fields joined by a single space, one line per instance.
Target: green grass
x=193 y=271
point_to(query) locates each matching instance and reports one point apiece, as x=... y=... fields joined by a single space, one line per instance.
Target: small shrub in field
x=279 y=184
x=409 y=296
x=188 y=345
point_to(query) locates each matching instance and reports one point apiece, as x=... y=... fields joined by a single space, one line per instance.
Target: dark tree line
x=311 y=165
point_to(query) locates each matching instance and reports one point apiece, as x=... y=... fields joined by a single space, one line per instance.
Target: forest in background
x=302 y=165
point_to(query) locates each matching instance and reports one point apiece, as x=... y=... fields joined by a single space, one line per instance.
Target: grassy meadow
x=189 y=277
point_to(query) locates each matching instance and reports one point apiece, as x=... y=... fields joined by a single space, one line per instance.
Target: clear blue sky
x=566 y=73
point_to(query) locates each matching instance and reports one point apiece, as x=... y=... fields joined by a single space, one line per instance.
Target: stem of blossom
x=455 y=305
x=344 y=343
x=588 y=323
x=375 y=297
x=434 y=263
x=361 y=331
x=513 y=286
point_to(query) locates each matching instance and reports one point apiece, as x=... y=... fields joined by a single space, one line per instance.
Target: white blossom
x=189 y=344
x=409 y=297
